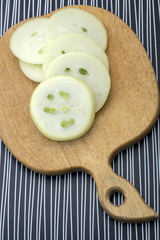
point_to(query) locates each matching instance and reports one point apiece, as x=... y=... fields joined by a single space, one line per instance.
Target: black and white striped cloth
x=34 y=206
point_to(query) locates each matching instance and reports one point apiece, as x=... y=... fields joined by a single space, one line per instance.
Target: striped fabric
x=34 y=206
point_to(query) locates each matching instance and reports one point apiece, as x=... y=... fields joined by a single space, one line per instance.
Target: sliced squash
x=74 y=42
x=29 y=43
x=32 y=71
x=62 y=108
x=87 y=68
x=72 y=20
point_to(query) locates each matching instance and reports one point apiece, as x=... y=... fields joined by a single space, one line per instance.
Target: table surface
x=35 y=206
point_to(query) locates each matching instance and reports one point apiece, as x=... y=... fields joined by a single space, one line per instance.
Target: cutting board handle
x=133 y=209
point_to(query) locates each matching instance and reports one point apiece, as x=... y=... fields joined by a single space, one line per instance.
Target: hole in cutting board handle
x=109 y=183
x=117 y=198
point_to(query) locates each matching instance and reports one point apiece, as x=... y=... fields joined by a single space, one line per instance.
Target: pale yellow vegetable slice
x=74 y=42
x=62 y=108
x=32 y=71
x=87 y=68
x=72 y=20
x=28 y=42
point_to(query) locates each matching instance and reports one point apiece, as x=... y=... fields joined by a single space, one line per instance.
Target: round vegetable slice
x=78 y=21
x=62 y=108
x=74 y=42
x=28 y=42
x=87 y=68
x=32 y=71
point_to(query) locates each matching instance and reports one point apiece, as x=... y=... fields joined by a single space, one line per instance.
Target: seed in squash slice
x=62 y=108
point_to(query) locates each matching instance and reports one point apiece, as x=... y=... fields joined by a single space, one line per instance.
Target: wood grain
x=130 y=112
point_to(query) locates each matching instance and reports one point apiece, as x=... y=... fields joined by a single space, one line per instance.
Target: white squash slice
x=72 y=20
x=62 y=108
x=28 y=42
x=32 y=71
x=87 y=68
x=74 y=42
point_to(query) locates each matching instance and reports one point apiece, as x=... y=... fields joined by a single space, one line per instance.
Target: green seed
x=33 y=34
x=53 y=110
x=41 y=50
x=64 y=109
x=38 y=65
x=61 y=93
x=71 y=121
x=64 y=124
x=50 y=97
x=84 y=29
x=63 y=52
x=83 y=71
x=65 y=95
x=46 y=109
x=67 y=70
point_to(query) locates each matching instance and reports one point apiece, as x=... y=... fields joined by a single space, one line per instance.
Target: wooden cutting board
x=130 y=112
